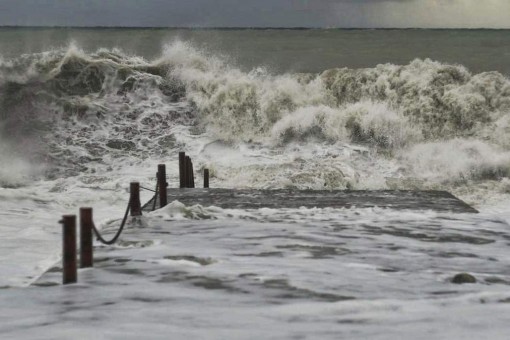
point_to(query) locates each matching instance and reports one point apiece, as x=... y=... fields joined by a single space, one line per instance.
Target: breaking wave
x=426 y=122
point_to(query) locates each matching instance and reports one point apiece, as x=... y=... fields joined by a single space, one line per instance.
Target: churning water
x=84 y=112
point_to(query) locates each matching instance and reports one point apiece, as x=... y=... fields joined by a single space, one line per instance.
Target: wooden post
x=182 y=169
x=69 y=269
x=192 y=178
x=162 y=185
x=187 y=172
x=86 y=243
x=206 y=178
x=136 y=206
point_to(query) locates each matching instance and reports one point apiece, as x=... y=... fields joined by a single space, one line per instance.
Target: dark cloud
x=315 y=13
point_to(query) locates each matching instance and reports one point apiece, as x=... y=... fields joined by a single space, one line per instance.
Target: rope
x=114 y=239
x=155 y=196
x=147 y=189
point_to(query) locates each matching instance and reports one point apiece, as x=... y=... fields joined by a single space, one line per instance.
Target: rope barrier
x=148 y=189
x=155 y=197
x=114 y=239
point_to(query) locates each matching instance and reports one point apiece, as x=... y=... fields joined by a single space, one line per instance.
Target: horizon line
x=249 y=27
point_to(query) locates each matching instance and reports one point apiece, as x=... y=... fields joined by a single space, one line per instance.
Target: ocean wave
x=83 y=112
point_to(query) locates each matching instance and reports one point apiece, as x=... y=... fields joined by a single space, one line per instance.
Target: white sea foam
x=96 y=121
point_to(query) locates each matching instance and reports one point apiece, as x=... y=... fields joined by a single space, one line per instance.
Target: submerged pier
x=246 y=199
x=440 y=201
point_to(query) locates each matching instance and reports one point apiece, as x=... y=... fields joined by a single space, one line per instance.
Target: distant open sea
x=285 y=50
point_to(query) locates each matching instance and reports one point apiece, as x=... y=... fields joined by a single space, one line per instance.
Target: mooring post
x=69 y=269
x=135 y=205
x=86 y=250
x=187 y=172
x=182 y=169
x=162 y=184
x=192 y=174
x=206 y=178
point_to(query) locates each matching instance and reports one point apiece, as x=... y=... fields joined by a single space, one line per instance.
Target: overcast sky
x=263 y=13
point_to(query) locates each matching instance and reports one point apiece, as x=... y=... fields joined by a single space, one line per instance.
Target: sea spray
x=85 y=113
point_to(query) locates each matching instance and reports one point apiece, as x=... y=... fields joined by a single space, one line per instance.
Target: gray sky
x=273 y=13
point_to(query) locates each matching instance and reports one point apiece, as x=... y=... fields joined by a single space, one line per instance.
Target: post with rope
x=86 y=245
x=182 y=169
x=134 y=201
x=69 y=268
x=162 y=185
x=206 y=178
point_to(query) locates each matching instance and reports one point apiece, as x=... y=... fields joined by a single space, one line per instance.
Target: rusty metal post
x=69 y=268
x=206 y=178
x=86 y=251
x=187 y=172
x=185 y=175
x=135 y=205
x=182 y=169
x=192 y=178
x=162 y=185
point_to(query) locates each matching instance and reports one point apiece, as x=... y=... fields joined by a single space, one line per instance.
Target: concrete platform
x=440 y=201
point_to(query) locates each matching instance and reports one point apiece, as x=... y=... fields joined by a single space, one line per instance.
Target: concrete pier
x=440 y=201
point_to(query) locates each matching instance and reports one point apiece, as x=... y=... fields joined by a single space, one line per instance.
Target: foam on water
x=102 y=107
x=79 y=126
x=285 y=273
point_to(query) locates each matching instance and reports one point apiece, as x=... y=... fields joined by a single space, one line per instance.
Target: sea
x=86 y=111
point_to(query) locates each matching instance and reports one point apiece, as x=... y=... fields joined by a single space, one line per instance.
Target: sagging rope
x=149 y=189
x=114 y=239
x=155 y=197
x=101 y=239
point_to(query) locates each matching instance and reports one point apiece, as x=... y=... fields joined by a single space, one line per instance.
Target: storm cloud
x=259 y=13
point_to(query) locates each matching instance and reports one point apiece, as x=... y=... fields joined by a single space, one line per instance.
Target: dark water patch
x=119 y=144
x=122 y=260
x=424 y=237
x=263 y=254
x=317 y=252
x=106 y=283
x=146 y=299
x=388 y=270
x=127 y=271
x=444 y=292
x=496 y=280
x=287 y=237
x=292 y=292
x=213 y=284
x=352 y=321
x=46 y=284
x=453 y=254
x=208 y=283
x=167 y=141
x=200 y=260
x=135 y=244
x=246 y=275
